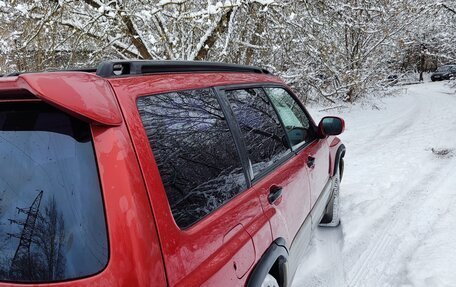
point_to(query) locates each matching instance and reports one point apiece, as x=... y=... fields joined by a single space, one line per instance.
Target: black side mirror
x=331 y=126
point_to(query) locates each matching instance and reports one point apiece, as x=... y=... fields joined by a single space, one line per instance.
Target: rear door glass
x=52 y=223
x=195 y=152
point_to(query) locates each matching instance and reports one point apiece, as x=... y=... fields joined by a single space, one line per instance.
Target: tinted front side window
x=293 y=117
x=263 y=134
x=52 y=224
x=194 y=151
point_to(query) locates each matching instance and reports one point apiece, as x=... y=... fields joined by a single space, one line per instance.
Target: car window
x=194 y=150
x=263 y=133
x=51 y=211
x=444 y=69
x=294 y=119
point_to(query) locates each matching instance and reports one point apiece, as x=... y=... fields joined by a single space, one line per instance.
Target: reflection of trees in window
x=39 y=254
x=3 y=258
x=1 y=199
x=293 y=117
x=54 y=153
x=194 y=150
x=261 y=128
x=291 y=113
x=50 y=242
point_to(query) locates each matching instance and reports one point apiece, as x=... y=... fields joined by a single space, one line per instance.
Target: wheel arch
x=275 y=260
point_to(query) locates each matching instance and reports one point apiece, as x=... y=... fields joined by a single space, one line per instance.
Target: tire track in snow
x=373 y=262
x=381 y=128
x=392 y=194
x=382 y=255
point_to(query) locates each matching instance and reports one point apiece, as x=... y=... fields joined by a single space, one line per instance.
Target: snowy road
x=398 y=197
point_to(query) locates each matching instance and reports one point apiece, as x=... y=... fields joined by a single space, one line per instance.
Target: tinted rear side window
x=52 y=224
x=194 y=151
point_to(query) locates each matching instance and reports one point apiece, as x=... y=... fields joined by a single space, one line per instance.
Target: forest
x=329 y=51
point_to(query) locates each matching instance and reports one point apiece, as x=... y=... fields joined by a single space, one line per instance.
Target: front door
x=301 y=175
x=278 y=174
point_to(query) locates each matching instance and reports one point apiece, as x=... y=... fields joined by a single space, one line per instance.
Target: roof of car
x=165 y=83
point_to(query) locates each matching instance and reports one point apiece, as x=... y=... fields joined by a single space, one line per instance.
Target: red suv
x=146 y=173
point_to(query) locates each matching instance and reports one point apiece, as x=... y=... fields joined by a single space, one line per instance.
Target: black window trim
x=237 y=134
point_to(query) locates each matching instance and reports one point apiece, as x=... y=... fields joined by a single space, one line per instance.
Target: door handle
x=311 y=162
x=275 y=192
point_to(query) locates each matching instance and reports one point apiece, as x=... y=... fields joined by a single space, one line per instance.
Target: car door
x=289 y=177
x=278 y=174
x=313 y=151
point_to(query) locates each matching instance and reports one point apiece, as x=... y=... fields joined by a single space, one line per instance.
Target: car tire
x=269 y=281
x=331 y=217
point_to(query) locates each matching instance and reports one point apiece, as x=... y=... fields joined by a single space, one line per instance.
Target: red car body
x=146 y=247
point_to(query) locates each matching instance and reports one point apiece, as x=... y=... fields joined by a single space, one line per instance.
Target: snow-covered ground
x=398 y=196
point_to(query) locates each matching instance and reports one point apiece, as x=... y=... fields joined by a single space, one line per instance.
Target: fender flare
x=276 y=252
x=339 y=155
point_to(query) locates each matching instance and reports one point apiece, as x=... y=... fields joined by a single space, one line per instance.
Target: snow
x=264 y=2
x=397 y=194
x=21 y=8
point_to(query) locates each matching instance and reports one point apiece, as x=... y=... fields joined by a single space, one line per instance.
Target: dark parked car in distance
x=445 y=72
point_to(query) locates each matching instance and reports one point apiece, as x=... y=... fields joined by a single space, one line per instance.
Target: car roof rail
x=87 y=70
x=108 y=69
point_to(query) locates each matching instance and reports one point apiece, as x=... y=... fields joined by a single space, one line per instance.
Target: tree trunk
x=220 y=28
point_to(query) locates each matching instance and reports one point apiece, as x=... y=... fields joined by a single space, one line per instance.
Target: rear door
x=211 y=225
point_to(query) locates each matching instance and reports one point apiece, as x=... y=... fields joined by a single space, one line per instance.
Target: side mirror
x=330 y=126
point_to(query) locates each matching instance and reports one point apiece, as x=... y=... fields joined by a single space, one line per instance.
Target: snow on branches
x=330 y=50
